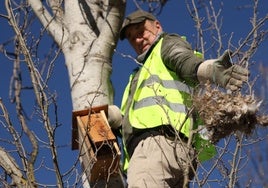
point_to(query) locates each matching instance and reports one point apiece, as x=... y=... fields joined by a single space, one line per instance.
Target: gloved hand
x=114 y=116
x=221 y=71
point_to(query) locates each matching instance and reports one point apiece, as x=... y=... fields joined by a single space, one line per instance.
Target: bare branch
x=198 y=23
x=52 y=23
x=11 y=168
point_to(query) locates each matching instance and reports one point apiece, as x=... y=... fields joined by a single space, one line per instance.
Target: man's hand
x=227 y=75
x=221 y=71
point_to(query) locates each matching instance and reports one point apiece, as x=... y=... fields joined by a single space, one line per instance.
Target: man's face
x=142 y=35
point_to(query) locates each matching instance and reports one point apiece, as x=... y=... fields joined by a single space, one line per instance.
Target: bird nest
x=225 y=113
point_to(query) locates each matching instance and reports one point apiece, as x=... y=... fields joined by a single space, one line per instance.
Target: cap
x=134 y=18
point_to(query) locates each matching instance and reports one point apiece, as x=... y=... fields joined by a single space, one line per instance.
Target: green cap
x=134 y=18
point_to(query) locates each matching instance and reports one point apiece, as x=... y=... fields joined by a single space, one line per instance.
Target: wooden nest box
x=94 y=138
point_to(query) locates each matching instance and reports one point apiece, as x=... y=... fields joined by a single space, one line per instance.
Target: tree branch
x=52 y=23
x=11 y=168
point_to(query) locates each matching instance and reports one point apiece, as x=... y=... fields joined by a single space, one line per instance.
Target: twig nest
x=224 y=113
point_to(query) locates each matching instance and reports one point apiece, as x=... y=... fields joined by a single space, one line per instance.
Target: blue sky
x=174 y=18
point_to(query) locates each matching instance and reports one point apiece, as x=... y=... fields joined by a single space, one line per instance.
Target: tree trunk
x=87 y=32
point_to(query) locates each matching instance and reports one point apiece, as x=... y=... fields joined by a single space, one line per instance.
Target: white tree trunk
x=89 y=85
x=87 y=43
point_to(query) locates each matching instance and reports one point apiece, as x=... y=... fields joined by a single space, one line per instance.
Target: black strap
x=142 y=134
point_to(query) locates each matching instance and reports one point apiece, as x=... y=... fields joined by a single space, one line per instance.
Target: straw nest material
x=224 y=113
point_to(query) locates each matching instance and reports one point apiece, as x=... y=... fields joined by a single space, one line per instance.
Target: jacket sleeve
x=179 y=57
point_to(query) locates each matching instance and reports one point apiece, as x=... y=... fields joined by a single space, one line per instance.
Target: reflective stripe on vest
x=169 y=84
x=154 y=100
x=157 y=100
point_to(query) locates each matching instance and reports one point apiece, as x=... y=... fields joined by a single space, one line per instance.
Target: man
x=156 y=104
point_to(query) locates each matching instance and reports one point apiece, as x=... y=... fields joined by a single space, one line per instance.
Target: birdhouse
x=92 y=135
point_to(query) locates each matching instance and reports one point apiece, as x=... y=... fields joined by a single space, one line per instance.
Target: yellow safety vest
x=161 y=98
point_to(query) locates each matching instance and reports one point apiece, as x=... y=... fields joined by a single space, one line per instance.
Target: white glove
x=114 y=117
